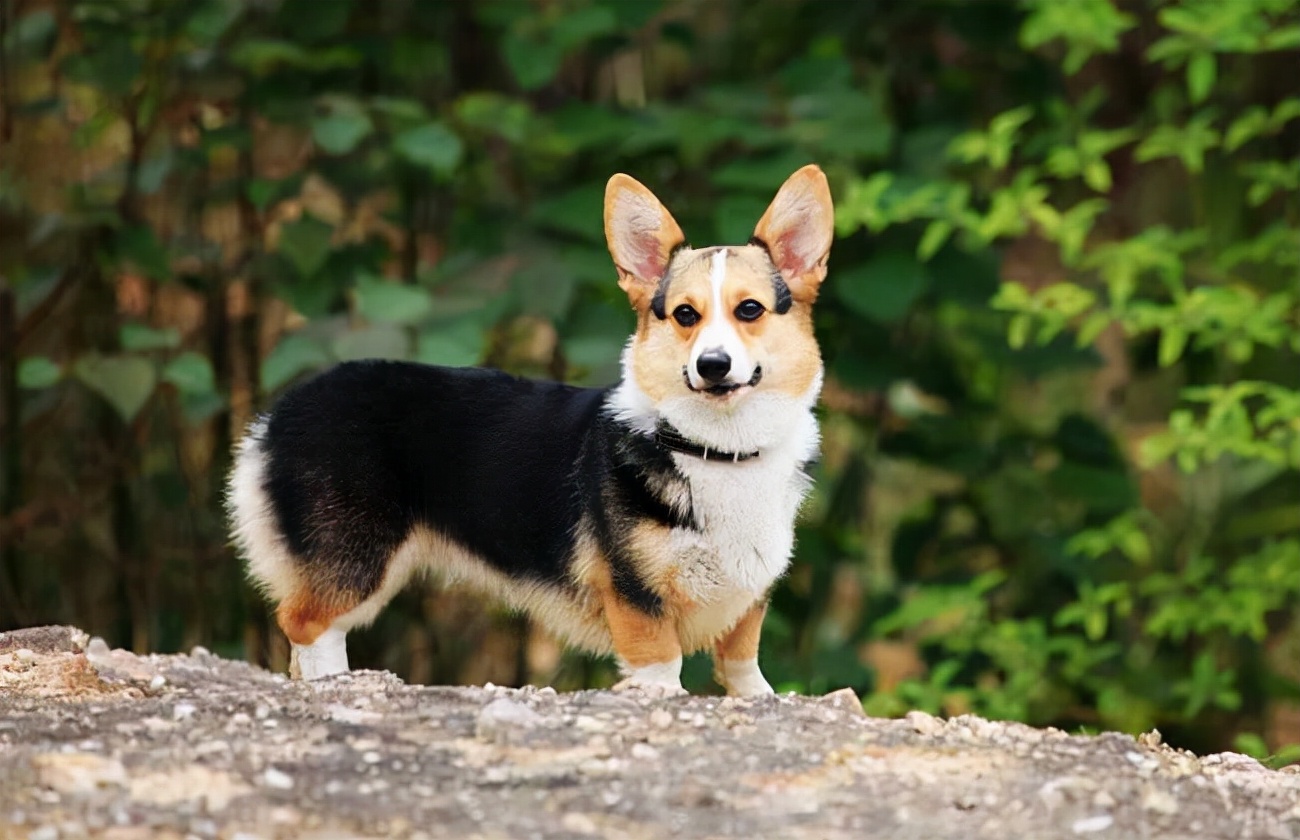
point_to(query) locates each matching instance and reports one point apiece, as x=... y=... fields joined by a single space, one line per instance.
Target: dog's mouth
x=725 y=388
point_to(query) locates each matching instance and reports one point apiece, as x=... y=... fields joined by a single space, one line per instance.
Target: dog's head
x=716 y=325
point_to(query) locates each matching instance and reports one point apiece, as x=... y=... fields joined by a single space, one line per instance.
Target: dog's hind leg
x=350 y=555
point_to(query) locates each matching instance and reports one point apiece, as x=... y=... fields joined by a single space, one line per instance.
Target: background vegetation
x=1062 y=323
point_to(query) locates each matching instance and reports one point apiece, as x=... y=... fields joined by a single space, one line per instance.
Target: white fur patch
x=323 y=657
x=741 y=677
x=256 y=533
x=661 y=676
x=719 y=332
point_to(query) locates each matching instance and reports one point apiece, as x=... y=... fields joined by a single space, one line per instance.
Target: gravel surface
x=106 y=744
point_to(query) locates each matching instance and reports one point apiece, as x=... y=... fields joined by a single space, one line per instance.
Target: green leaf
x=32 y=36
x=389 y=302
x=126 y=382
x=885 y=287
x=534 y=61
x=574 y=211
x=456 y=343
x=139 y=247
x=378 y=341
x=342 y=127
x=1018 y=331
x=432 y=146
x=306 y=244
x=295 y=354
x=139 y=337
x=36 y=372
x=210 y=19
x=932 y=240
x=191 y=373
x=1172 y=341
x=734 y=217
x=1201 y=72
x=111 y=65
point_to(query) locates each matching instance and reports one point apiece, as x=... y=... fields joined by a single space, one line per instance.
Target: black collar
x=669 y=438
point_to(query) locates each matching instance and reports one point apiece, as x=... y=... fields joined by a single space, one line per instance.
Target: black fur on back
x=506 y=467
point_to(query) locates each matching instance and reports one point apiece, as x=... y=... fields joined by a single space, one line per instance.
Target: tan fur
x=783 y=344
x=639 y=639
x=641 y=234
x=304 y=616
x=798 y=228
x=742 y=641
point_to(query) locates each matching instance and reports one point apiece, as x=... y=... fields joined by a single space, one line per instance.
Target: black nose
x=713 y=365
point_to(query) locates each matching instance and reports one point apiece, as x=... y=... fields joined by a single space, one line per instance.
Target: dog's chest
x=744 y=515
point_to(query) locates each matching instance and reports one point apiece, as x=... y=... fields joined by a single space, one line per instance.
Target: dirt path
x=105 y=744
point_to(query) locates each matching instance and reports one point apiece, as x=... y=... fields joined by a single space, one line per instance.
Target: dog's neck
x=674 y=441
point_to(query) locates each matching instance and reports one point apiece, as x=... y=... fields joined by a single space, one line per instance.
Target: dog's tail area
x=307 y=605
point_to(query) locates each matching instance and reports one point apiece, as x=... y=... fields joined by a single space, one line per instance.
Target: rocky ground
x=105 y=744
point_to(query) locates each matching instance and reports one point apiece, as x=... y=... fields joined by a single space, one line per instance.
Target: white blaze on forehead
x=719 y=331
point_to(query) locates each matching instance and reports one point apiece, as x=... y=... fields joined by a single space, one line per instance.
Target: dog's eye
x=749 y=310
x=686 y=316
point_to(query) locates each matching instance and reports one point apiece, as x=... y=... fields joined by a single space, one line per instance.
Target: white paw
x=661 y=679
x=742 y=678
x=326 y=656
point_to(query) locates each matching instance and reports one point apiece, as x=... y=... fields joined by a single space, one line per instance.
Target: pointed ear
x=642 y=235
x=797 y=229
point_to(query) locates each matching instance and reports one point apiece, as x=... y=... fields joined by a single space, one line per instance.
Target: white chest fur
x=745 y=513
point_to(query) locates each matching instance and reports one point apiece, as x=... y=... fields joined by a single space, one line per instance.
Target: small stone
x=644 y=752
x=661 y=718
x=1160 y=801
x=277 y=779
x=1091 y=825
x=157 y=682
x=183 y=711
x=846 y=699
x=45 y=832
x=503 y=719
x=25 y=656
x=579 y=823
x=924 y=723
x=372 y=757
x=200 y=650
x=1150 y=739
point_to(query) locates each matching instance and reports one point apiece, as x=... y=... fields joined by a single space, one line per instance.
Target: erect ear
x=797 y=229
x=642 y=235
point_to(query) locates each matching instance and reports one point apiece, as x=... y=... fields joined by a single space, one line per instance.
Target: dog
x=645 y=520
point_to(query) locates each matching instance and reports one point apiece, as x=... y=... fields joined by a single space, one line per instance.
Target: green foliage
x=1062 y=426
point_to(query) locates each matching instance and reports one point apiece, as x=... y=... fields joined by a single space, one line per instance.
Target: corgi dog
x=645 y=520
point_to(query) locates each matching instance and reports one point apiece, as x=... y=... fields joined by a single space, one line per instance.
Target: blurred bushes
x=1063 y=418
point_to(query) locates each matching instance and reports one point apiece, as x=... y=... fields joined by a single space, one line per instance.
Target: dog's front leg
x=735 y=660
x=649 y=652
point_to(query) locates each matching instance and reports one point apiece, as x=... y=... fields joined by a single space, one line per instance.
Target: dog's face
x=717 y=324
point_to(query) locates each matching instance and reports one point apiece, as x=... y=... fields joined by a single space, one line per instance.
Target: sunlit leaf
x=432 y=146
x=391 y=302
x=191 y=373
x=126 y=382
x=295 y=354
x=36 y=372
x=306 y=244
